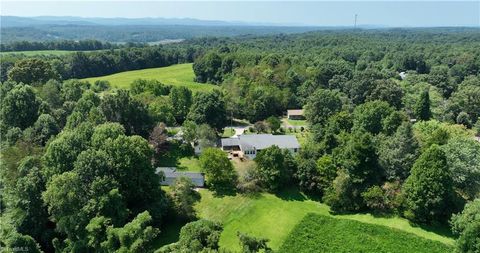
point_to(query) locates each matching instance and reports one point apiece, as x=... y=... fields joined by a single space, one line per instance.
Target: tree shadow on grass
x=175 y=152
x=222 y=191
x=440 y=229
x=291 y=194
x=170 y=231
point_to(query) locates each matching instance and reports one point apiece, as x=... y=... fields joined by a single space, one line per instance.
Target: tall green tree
x=136 y=236
x=359 y=160
x=209 y=108
x=388 y=91
x=274 y=167
x=19 y=107
x=370 y=116
x=129 y=112
x=398 y=153
x=463 y=160
x=182 y=100
x=274 y=123
x=465 y=99
x=44 y=128
x=208 y=68
x=184 y=196
x=321 y=105
x=422 y=107
x=429 y=188
x=201 y=235
x=32 y=71
x=219 y=171
x=467 y=225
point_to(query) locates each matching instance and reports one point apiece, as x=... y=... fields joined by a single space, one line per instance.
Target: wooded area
x=392 y=129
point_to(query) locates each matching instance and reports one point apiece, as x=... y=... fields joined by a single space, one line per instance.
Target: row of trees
x=70 y=45
x=87 y=64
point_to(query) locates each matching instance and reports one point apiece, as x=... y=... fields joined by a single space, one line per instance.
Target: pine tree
x=422 y=107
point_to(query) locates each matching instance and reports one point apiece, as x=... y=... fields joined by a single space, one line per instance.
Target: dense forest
x=135 y=33
x=69 y=45
x=393 y=126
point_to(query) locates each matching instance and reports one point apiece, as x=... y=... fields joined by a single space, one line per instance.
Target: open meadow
x=38 y=52
x=175 y=75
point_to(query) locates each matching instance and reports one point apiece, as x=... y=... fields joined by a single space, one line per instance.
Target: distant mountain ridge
x=14 y=21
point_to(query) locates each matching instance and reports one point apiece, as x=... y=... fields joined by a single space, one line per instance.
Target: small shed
x=295 y=114
x=171 y=173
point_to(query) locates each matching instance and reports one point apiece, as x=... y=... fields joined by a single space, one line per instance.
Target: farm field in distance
x=176 y=75
x=255 y=214
x=40 y=52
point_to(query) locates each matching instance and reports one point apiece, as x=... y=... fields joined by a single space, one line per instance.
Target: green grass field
x=39 y=52
x=180 y=156
x=297 y=123
x=274 y=216
x=176 y=75
x=319 y=233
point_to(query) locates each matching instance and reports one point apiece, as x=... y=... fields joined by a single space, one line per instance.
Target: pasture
x=38 y=52
x=175 y=75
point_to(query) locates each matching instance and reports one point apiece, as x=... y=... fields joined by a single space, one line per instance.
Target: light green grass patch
x=39 y=52
x=228 y=132
x=191 y=163
x=175 y=75
x=274 y=216
x=297 y=123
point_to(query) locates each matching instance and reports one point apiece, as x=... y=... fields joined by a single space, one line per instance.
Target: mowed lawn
x=176 y=75
x=274 y=216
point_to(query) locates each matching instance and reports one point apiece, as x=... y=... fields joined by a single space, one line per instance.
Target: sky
x=424 y=13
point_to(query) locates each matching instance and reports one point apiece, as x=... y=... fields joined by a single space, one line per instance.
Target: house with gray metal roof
x=171 y=173
x=249 y=145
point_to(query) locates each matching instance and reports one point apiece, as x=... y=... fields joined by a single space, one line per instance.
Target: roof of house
x=295 y=112
x=233 y=141
x=171 y=172
x=261 y=141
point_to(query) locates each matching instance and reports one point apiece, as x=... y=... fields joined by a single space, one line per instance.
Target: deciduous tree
x=429 y=188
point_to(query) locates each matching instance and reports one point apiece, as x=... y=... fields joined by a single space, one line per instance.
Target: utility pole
x=355 y=25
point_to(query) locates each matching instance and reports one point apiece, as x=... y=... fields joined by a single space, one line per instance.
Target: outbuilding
x=295 y=114
x=171 y=173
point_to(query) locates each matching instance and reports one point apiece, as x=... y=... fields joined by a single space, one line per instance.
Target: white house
x=249 y=145
x=171 y=173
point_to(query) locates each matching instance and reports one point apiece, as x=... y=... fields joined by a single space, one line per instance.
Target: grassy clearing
x=176 y=75
x=228 y=132
x=297 y=123
x=191 y=163
x=180 y=156
x=274 y=216
x=39 y=52
x=319 y=233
